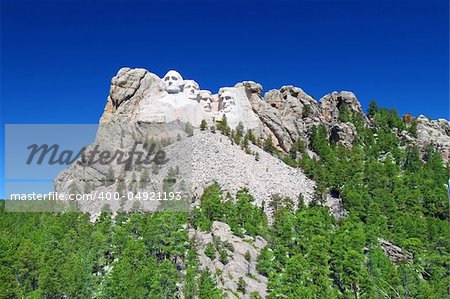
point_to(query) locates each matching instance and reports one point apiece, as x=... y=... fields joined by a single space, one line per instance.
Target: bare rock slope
x=239 y=262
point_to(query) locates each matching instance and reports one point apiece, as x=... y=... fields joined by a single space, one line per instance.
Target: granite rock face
x=286 y=115
x=396 y=254
x=435 y=133
x=332 y=104
x=143 y=106
x=127 y=89
x=343 y=133
x=227 y=273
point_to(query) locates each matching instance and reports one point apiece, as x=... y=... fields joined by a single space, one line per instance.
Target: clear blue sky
x=57 y=57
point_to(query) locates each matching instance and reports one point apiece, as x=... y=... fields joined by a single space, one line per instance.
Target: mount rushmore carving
x=285 y=115
x=146 y=98
x=173 y=98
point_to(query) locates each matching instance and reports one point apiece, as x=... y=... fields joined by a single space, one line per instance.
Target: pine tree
x=240 y=129
x=203 y=125
x=133 y=182
x=110 y=178
x=189 y=129
x=413 y=128
x=207 y=287
x=121 y=186
x=373 y=108
x=247 y=256
x=268 y=145
x=144 y=179
x=242 y=285
x=88 y=187
x=222 y=126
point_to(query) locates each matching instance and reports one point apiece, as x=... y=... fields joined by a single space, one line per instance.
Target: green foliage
x=110 y=177
x=255 y=295
x=390 y=193
x=345 y=114
x=297 y=147
x=210 y=251
x=229 y=246
x=306 y=111
x=268 y=145
x=413 y=128
x=211 y=208
x=203 y=125
x=264 y=261
x=248 y=256
x=297 y=261
x=190 y=285
x=239 y=133
x=189 y=129
x=241 y=285
x=388 y=118
x=242 y=215
x=65 y=255
x=222 y=126
x=257 y=156
x=208 y=288
x=223 y=256
x=373 y=108
x=144 y=179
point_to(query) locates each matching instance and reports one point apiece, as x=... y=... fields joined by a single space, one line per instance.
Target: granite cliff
x=170 y=110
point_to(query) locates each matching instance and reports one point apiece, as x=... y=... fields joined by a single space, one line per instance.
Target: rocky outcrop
x=128 y=86
x=395 y=253
x=289 y=113
x=428 y=133
x=435 y=133
x=230 y=259
x=336 y=206
x=343 y=133
x=332 y=104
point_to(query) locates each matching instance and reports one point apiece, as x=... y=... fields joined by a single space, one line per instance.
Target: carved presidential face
x=206 y=100
x=227 y=101
x=206 y=105
x=191 y=89
x=173 y=82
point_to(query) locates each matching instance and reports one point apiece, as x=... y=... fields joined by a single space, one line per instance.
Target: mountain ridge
x=286 y=114
x=142 y=106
